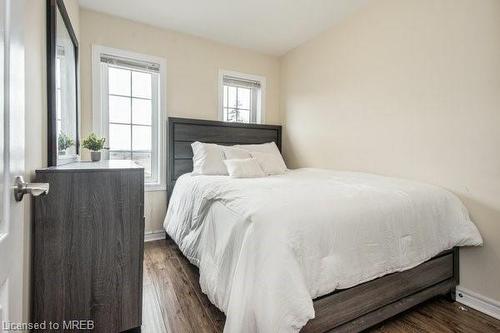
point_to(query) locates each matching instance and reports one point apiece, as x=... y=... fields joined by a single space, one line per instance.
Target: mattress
x=266 y=247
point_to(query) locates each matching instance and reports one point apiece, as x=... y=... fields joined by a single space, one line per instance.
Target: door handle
x=21 y=188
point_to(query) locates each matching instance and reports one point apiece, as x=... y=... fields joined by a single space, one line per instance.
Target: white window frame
x=261 y=98
x=100 y=107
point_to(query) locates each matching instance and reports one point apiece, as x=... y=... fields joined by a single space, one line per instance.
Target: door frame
x=12 y=267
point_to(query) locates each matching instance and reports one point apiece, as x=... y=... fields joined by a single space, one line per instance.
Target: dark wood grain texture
x=433 y=316
x=182 y=132
x=370 y=319
x=353 y=304
x=88 y=245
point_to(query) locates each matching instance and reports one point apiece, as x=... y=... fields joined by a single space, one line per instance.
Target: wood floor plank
x=152 y=317
x=173 y=318
x=200 y=320
x=146 y=278
x=216 y=316
x=174 y=303
x=189 y=308
x=463 y=319
x=395 y=327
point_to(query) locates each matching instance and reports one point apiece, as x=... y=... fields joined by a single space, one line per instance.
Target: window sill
x=154 y=187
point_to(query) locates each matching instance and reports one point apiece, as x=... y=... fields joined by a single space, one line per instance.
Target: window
x=241 y=97
x=129 y=108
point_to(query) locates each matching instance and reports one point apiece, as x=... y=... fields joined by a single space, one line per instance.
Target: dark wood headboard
x=182 y=132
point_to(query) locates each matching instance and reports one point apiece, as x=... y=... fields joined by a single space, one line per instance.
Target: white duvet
x=266 y=247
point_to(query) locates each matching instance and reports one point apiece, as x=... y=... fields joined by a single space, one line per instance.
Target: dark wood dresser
x=88 y=246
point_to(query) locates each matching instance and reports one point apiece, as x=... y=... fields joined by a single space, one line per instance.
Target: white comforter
x=267 y=246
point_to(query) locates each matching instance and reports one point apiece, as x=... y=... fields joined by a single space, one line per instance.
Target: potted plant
x=63 y=143
x=95 y=144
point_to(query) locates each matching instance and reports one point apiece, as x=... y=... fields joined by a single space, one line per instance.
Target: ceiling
x=268 y=26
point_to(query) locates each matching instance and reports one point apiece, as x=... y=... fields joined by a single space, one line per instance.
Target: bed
x=268 y=271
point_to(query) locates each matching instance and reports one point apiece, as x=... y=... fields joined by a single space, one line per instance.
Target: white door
x=12 y=152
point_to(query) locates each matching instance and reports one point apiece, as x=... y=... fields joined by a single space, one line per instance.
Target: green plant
x=64 y=141
x=93 y=142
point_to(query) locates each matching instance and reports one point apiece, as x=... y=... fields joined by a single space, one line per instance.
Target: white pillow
x=235 y=153
x=244 y=168
x=271 y=163
x=208 y=159
x=269 y=147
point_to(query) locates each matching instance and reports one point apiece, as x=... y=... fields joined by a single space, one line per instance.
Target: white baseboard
x=154 y=235
x=478 y=302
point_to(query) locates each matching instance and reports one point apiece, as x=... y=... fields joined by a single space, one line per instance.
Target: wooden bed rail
x=367 y=304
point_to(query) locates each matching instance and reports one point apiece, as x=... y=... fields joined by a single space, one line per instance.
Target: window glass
x=141 y=111
x=231 y=97
x=131 y=117
x=243 y=116
x=119 y=137
x=120 y=155
x=119 y=109
x=141 y=84
x=119 y=81
x=141 y=138
x=237 y=100
x=244 y=98
x=144 y=160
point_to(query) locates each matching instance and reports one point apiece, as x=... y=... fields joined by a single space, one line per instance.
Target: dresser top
x=93 y=166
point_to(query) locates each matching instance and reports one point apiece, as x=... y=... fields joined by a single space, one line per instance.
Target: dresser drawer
x=88 y=242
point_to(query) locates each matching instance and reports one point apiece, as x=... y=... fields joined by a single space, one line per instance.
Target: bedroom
x=378 y=198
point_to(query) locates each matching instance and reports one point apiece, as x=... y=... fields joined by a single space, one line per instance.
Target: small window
x=129 y=93
x=131 y=128
x=241 y=97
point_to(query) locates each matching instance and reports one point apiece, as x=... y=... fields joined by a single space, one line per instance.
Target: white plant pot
x=95 y=156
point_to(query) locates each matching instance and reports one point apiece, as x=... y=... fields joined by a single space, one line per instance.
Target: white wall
x=192 y=72
x=408 y=89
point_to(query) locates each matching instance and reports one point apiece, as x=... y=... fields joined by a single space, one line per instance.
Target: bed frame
x=182 y=132
x=346 y=310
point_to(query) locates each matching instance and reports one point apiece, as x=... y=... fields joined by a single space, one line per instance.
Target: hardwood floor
x=173 y=302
